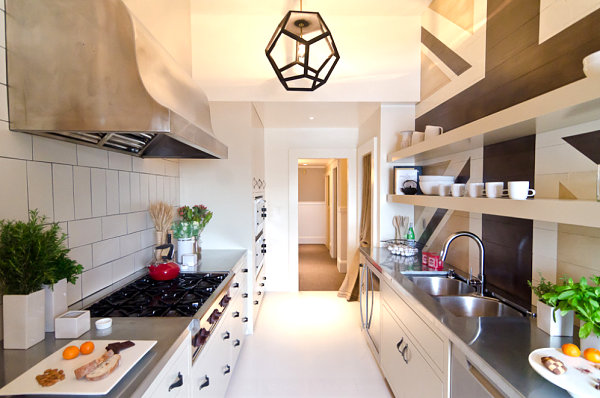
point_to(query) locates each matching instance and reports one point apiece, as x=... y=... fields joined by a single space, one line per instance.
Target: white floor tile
x=307 y=344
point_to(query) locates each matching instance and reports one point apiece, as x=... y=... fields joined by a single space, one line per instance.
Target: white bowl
x=436 y=178
x=103 y=323
x=431 y=187
x=593 y=57
x=592 y=69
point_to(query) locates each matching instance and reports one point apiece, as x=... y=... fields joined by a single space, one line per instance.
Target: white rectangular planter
x=23 y=319
x=563 y=325
x=56 y=302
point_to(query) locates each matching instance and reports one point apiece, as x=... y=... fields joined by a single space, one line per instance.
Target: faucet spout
x=477 y=240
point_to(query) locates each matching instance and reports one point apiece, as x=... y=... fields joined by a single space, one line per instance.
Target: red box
x=435 y=262
x=425 y=258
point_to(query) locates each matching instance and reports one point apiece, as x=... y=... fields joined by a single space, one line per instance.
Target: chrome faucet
x=481 y=276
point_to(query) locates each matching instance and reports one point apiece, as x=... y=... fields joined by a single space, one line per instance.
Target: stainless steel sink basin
x=471 y=306
x=442 y=286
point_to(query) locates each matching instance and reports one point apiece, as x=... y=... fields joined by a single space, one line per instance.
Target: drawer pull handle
x=244 y=269
x=205 y=383
x=226 y=335
x=404 y=353
x=244 y=295
x=262 y=284
x=227 y=369
x=236 y=343
x=245 y=319
x=178 y=382
x=255 y=302
x=236 y=284
x=399 y=344
x=259 y=293
x=235 y=314
x=264 y=278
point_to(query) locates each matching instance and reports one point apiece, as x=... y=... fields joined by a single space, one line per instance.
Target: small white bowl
x=593 y=57
x=103 y=323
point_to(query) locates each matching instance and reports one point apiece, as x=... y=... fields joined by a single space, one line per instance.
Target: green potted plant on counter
x=584 y=300
x=548 y=320
x=32 y=254
x=188 y=230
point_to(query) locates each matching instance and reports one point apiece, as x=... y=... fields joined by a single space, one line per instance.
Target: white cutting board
x=27 y=384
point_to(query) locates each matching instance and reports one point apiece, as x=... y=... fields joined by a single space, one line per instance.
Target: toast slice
x=104 y=369
x=81 y=371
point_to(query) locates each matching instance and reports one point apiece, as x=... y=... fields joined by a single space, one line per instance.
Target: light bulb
x=300 y=53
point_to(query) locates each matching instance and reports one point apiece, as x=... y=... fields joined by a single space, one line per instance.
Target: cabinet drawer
x=212 y=369
x=431 y=343
x=406 y=370
x=178 y=364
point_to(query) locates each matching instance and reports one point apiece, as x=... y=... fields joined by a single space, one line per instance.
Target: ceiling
x=314 y=162
x=314 y=114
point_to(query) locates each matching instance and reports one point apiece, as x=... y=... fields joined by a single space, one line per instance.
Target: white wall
x=312 y=223
x=279 y=143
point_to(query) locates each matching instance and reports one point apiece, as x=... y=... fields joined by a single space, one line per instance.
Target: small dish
x=103 y=323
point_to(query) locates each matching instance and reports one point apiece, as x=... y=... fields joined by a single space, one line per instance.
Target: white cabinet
x=404 y=366
x=259 y=293
x=174 y=379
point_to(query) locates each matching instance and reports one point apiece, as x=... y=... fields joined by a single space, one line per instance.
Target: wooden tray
x=27 y=384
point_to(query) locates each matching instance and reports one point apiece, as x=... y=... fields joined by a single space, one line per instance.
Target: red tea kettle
x=164 y=270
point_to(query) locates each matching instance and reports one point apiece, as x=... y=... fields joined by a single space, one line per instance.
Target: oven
x=370 y=304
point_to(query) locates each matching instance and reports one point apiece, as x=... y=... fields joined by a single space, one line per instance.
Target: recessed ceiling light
x=311 y=118
x=304 y=164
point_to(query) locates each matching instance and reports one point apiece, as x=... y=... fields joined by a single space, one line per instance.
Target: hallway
x=317 y=270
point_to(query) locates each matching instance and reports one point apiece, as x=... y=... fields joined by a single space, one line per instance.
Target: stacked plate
x=430 y=185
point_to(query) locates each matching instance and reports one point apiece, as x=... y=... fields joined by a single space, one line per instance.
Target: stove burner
x=145 y=297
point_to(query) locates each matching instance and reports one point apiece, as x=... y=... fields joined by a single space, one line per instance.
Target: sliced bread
x=104 y=369
x=91 y=366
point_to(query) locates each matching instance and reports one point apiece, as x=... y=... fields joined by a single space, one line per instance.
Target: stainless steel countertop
x=502 y=344
x=169 y=333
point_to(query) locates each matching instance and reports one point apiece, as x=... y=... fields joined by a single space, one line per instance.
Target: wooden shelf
x=573 y=104
x=577 y=212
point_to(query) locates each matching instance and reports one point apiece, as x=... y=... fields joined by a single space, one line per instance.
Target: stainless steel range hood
x=87 y=71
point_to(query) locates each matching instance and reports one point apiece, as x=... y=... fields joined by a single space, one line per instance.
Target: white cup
x=519 y=190
x=458 y=190
x=475 y=189
x=404 y=139
x=432 y=131
x=494 y=189
x=417 y=136
x=445 y=189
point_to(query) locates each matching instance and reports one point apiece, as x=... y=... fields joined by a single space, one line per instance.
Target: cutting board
x=27 y=384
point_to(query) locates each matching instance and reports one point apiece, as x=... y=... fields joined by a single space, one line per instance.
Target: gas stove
x=146 y=297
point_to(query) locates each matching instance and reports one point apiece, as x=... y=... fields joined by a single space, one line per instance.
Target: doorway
x=321 y=225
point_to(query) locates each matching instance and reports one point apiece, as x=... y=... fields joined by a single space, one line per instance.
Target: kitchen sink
x=472 y=306
x=442 y=286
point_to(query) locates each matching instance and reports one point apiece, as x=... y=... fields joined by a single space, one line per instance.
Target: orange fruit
x=571 y=350
x=592 y=355
x=71 y=352
x=86 y=348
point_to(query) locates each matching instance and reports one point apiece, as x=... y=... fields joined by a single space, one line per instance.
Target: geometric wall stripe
x=458 y=11
x=454 y=61
x=587 y=143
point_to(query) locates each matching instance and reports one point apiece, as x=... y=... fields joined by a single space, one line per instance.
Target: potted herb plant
x=546 y=312
x=31 y=254
x=584 y=300
x=187 y=231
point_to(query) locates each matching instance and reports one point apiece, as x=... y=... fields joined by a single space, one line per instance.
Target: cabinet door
x=212 y=369
x=404 y=367
x=259 y=292
x=174 y=380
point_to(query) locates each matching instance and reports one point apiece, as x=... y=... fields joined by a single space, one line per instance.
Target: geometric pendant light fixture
x=302 y=51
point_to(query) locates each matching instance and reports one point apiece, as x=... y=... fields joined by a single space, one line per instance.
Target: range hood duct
x=87 y=71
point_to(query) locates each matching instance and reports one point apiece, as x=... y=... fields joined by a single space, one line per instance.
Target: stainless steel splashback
x=87 y=71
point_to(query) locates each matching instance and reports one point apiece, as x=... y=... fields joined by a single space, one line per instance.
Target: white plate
x=577 y=383
x=27 y=384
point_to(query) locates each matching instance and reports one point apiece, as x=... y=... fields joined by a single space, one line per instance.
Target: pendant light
x=302 y=51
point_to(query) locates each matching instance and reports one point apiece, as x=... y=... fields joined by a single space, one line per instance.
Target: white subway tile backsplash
x=82 y=192
x=92 y=157
x=96 y=279
x=98 y=192
x=3 y=103
x=74 y=291
x=48 y=150
x=113 y=226
x=64 y=229
x=105 y=251
x=83 y=255
x=130 y=243
x=119 y=161
x=142 y=258
x=112 y=192
x=3 y=28
x=122 y=267
x=160 y=188
x=148 y=238
x=124 y=192
x=172 y=168
x=2 y=65
x=14 y=144
x=13 y=194
x=84 y=232
x=167 y=190
x=545 y=242
x=134 y=180
x=152 y=188
x=39 y=184
x=62 y=188
x=136 y=222
x=137 y=165
x=144 y=201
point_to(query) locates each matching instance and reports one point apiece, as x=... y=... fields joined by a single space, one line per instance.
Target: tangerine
x=71 y=352
x=592 y=355
x=86 y=348
x=571 y=350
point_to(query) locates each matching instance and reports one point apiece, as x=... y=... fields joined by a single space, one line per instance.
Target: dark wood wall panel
x=507 y=16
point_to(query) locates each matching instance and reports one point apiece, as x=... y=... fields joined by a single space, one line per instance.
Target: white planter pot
x=185 y=246
x=592 y=341
x=23 y=319
x=56 y=302
x=563 y=325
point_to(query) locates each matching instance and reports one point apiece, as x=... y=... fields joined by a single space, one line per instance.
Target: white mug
x=519 y=190
x=432 y=131
x=445 y=189
x=458 y=190
x=417 y=136
x=404 y=139
x=475 y=189
x=494 y=189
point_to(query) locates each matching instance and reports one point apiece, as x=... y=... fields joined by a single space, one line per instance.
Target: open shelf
x=573 y=104
x=577 y=212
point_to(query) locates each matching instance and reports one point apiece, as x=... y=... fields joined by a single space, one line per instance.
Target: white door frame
x=366 y=148
x=320 y=153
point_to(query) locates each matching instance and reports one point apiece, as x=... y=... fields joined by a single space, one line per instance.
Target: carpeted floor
x=317 y=270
